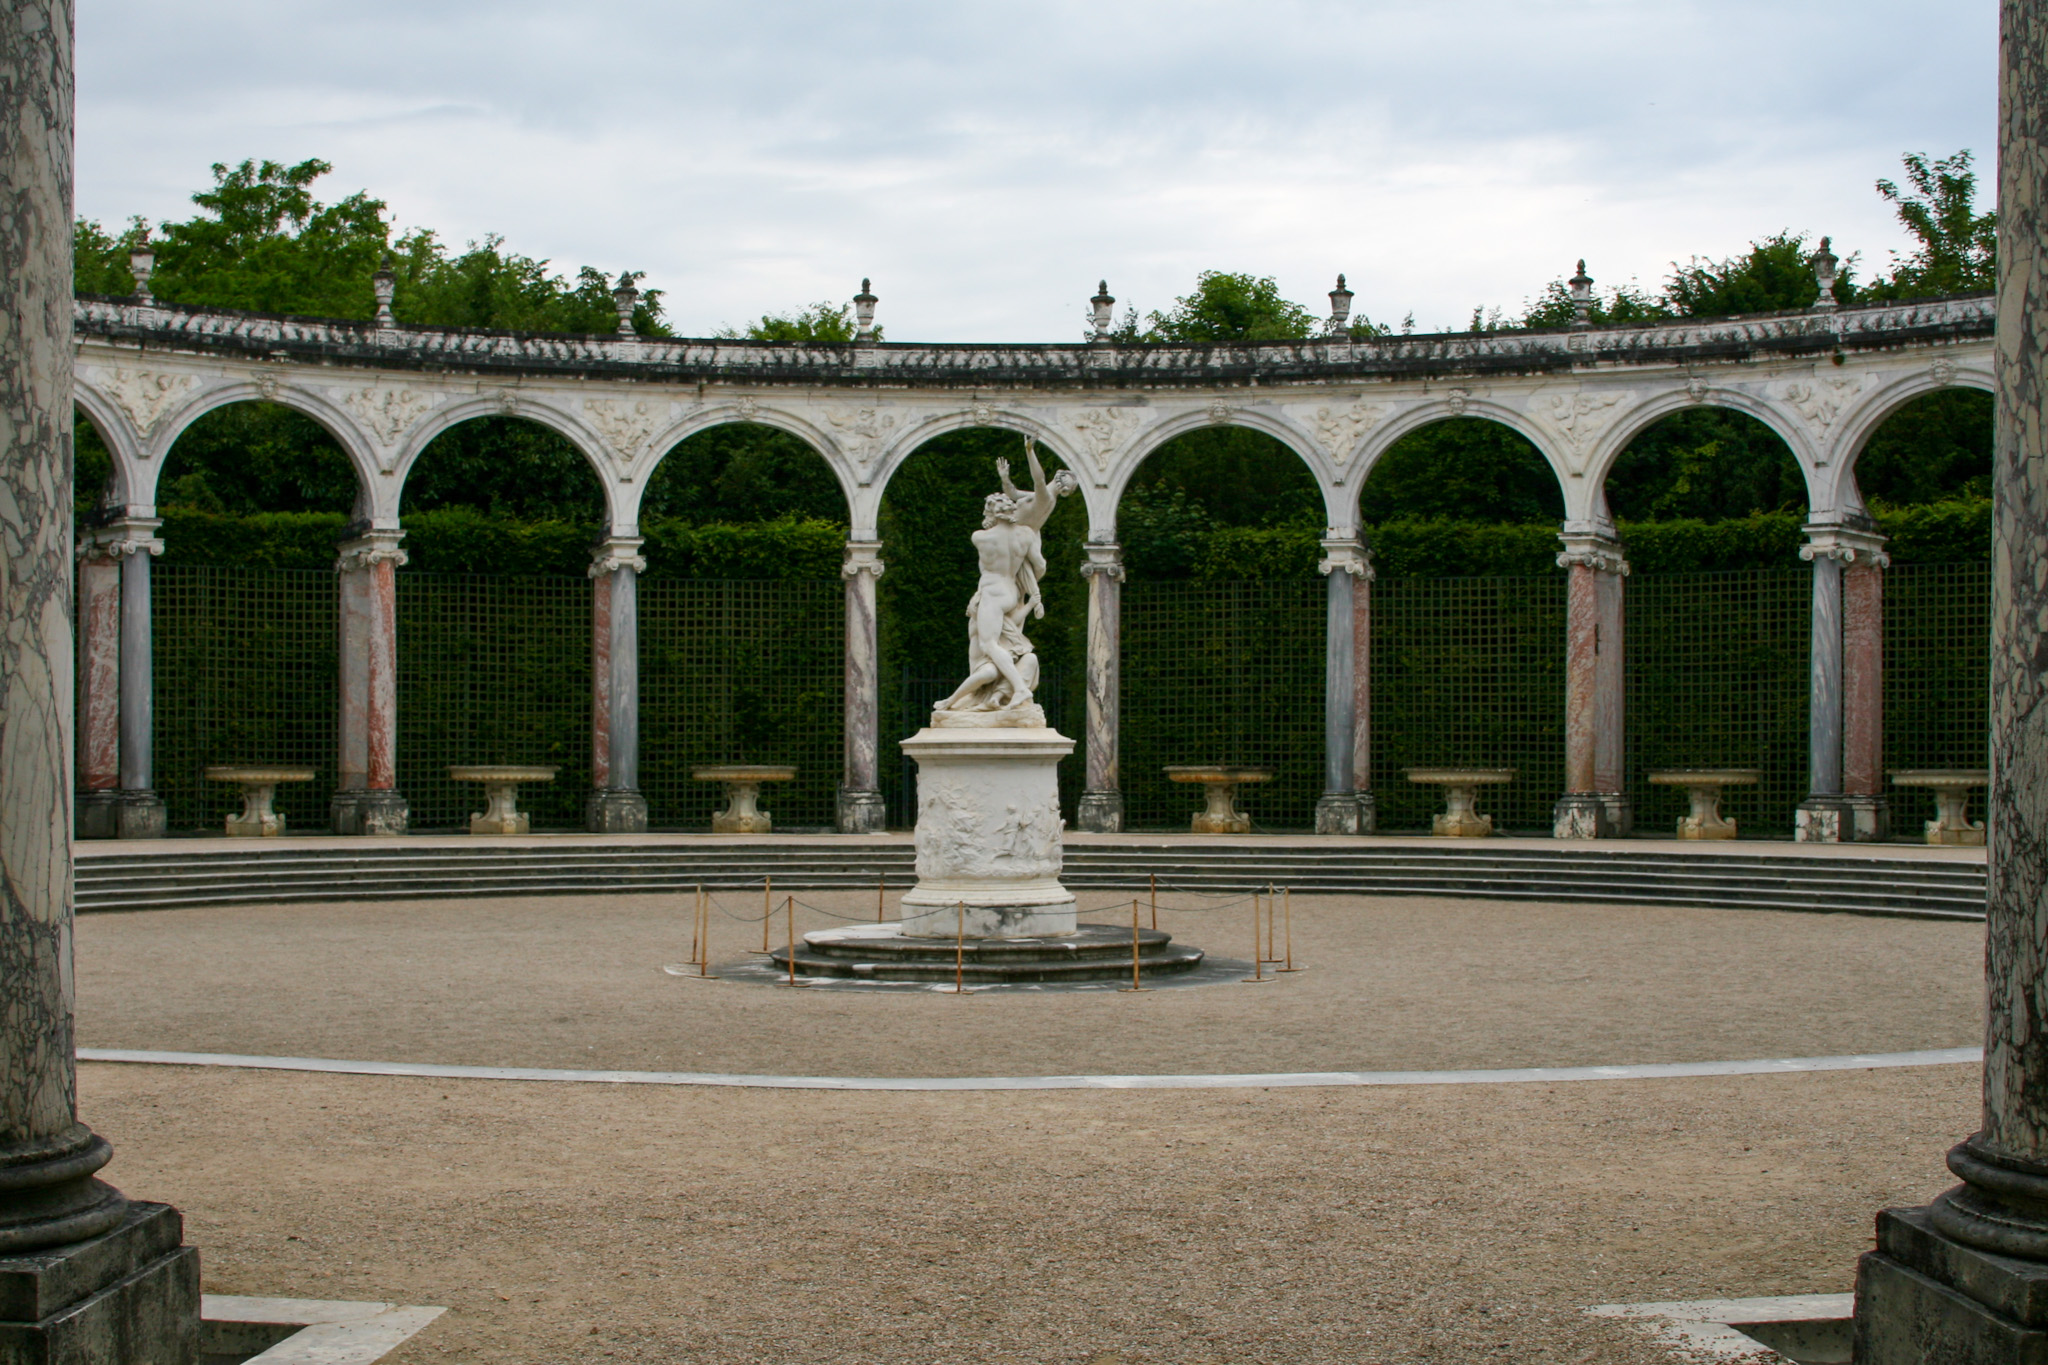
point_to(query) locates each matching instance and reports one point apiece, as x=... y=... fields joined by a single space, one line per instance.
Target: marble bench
x=1704 y=786
x=501 y=814
x=257 y=820
x=1461 y=793
x=1219 y=782
x=742 y=813
x=1951 y=786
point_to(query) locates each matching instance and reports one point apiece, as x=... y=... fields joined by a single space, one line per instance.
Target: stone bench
x=501 y=814
x=1704 y=786
x=257 y=820
x=1951 y=786
x=1220 y=782
x=1461 y=793
x=742 y=813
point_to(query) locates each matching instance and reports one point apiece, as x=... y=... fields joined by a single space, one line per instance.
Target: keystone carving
x=146 y=395
x=1103 y=431
x=1219 y=413
x=1341 y=429
x=1457 y=400
x=1943 y=372
x=862 y=433
x=748 y=406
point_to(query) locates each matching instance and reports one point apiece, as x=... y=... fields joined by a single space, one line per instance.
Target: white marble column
x=1102 y=799
x=1827 y=815
x=366 y=797
x=616 y=805
x=1595 y=804
x=861 y=810
x=1346 y=567
x=1964 y=1280
x=118 y=799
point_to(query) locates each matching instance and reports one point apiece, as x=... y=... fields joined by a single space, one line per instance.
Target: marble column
x=1863 y=785
x=1595 y=803
x=1827 y=815
x=861 y=810
x=616 y=805
x=366 y=797
x=88 y=1275
x=117 y=682
x=1965 y=1279
x=1345 y=566
x=1102 y=799
x=1361 y=699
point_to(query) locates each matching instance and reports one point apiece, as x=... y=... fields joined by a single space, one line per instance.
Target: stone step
x=1095 y=953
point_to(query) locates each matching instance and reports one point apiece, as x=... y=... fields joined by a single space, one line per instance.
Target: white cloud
x=986 y=163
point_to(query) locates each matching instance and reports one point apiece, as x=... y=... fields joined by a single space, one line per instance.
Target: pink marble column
x=1595 y=803
x=366 y=799
x=1832 y=811
x=1101 y=808
x=861 y=809
x=1863 y=698
x=116 y=799
x=99 y=690
x=1346 y=567
x=616 y=805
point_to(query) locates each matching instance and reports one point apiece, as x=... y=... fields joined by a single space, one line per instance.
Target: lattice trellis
x=245 y=673
x=1937 y=678
x=741 y=672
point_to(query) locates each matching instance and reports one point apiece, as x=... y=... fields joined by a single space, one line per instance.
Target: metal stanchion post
x=767 y=910
x=1134 y=986
x=960 y=953
x=696 y=924
x=1155 y=900
x=704 y=918
x=1287 y=914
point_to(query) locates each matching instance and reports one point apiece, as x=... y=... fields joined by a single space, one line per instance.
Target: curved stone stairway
x=1870 y=880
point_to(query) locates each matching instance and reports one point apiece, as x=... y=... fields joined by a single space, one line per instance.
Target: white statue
x=1002 y=669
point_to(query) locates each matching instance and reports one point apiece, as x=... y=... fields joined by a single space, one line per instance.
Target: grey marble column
x=1595 y=803
x=117 y=692
x=1344 y=565
x=83 y=1279
x=1965 y=1279
x=616 y=805
x=861 y=810
x=1102 y=799
x=1827 y=815
x=366 y=798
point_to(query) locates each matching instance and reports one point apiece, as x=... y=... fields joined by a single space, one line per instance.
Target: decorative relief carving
x=508 y=402
x=1580 y=418
x=748 y=406
x=1104 y=431
x=984 y=415
x=1456 y=400
x=1341 y=429
x=1820 y=400
x=863 y=431
x=625 y=424
x=387 y=413
x=1943 y=372
x=957 y=838
x=1219 y=413
x=1696 y=388
x=146 y=395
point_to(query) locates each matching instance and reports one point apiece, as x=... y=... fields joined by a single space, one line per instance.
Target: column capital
x=1104 y=557
x=1594 y=547
x=368 y=546
x=119 y=536
x=614 y=553
x=1847 y=544
x=862 y=557
x=1345 y=552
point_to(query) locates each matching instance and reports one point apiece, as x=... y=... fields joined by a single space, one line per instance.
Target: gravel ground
x=1393 y=983
x=1439 y=1224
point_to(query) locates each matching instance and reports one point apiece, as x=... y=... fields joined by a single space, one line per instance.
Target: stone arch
x=119 y=436
x=354 y=443
x=913 y=438
x=450 y=415
x=1648 y=413
x=1151 y=440
x=1431 y=411
x=665 y=440
x=1874 y=409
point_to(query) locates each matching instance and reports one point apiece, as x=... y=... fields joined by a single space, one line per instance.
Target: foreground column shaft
x=1966 y=1278
x=1594 y=804
x=366 y=800
x=860 y=792
x=1102 y=800
x=1345 y=568
x=616 y=805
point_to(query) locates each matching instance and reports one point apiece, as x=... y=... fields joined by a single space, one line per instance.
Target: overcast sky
x=987 y=161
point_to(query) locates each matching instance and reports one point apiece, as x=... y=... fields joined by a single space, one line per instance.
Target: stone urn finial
x=626 y=298
x=385 y=283
x=1825 y=264
x=1582 y=297
x=141 y=261
x=1100 y=313
x=1340 y=308
x=864 y=314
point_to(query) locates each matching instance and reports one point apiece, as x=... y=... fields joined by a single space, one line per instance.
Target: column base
x=1344 y=813
x=1100 y=812
x=1586 y=815
x=127 y=1297
x=121 y=814
x=1843 y=820
x=1621 y=814
x=862 y=811
x=615 y=810
x=1922 y=1296
x=369 y=812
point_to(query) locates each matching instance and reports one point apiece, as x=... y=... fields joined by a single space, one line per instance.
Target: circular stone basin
x=876 y=952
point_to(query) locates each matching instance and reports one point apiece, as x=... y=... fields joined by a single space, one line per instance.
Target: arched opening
x=1223 y=625
x=1468 y=620
x=742 y=623
x=1925 y=474
x=1709 y=502
x=932 y=505
x=494 y=618
x=253 y=498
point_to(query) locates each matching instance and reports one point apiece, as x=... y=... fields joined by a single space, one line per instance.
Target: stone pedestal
x=129 y=1294
x=615 y=812
x=988 y=830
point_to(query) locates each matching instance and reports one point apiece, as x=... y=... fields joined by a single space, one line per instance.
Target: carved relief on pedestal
x=146 y=395
x=956 y=837
x=1340 y=429
x=863 y=431
x=1102 y=432
x=1578 y=419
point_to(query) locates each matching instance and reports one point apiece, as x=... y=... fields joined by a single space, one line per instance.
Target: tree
x=1774 y=275
x=1229 y=307
x=1465 y=468
x=1958 y=246
x=1554 y=308
x=825 y=321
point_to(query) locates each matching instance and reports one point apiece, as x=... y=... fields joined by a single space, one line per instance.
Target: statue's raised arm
x=1035 y=507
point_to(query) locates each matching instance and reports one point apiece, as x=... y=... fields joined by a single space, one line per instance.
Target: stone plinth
x=1951 y=786
x=988 y=828
x=1461 y=818
x=1219 y=782
x=742 y=813
x=1093 y=952
x=1704 y=786
x=129 y=1294
x=501 y=813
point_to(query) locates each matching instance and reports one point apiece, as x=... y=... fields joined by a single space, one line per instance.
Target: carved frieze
x=626 y=424
x=1341 y=428
x=386 y=414
x=1579 y=418
x=146 y=395
x=863 y=432
x=957 y=837
x=1820 y=400
x=1102 y=432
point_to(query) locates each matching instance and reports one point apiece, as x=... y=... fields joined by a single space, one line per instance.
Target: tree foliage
x=826 y=321
x=1232 y=307
x=1466 y=468
x=1958 y=245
